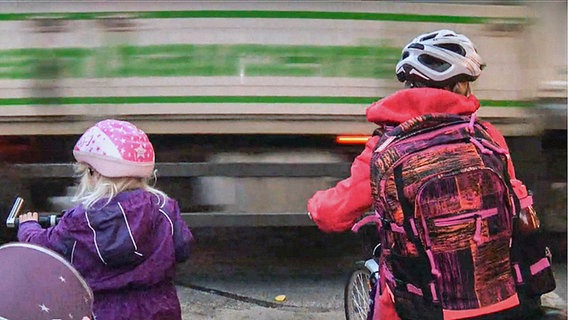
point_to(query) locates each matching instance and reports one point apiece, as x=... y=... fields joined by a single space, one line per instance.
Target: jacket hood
x=406 y=104
x=123 y=228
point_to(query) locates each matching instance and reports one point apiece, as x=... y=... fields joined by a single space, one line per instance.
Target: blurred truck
x=247 y=102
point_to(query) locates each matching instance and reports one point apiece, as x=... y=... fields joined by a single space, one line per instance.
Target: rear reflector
x=352 y=139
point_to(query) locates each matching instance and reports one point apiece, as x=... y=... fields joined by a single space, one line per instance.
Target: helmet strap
x=414 y=84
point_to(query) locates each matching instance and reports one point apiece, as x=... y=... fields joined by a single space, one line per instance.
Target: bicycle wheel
x=357 y=293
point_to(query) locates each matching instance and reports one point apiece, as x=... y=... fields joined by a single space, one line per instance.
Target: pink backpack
x=447 y=213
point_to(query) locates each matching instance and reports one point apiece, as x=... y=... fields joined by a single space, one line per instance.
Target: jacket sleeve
x=183 y=238
x=55 y=238
x=336 y=209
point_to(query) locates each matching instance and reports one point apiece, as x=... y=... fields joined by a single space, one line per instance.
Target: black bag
x=530 y=256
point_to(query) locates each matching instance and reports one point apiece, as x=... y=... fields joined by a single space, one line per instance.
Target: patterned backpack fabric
x=441 y=188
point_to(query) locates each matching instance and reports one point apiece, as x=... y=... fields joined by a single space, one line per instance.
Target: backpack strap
x=412 y=234
x=407 y=208
x=484 y=142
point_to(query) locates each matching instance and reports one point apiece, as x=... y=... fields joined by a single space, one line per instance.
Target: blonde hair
x=462 y=87
x=94 y=187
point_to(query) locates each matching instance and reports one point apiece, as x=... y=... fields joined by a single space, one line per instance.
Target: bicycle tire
x=357 y=293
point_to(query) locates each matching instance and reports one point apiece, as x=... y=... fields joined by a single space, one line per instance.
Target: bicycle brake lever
x=16 y=207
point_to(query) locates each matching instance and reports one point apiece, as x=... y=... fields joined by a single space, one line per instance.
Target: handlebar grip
x=44 y=221
x=49 y=221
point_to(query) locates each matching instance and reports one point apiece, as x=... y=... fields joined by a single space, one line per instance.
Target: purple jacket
x=126 y=251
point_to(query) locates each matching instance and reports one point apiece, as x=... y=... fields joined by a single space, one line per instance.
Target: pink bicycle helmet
x=438 y=59
x=116 y=148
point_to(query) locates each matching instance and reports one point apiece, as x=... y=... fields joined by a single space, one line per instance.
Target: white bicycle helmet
x=116 y=148
x=438 y=59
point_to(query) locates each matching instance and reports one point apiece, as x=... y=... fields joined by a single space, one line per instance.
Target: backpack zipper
x=476 y=216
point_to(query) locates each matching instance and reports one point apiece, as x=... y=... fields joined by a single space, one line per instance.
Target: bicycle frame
x=357 y=295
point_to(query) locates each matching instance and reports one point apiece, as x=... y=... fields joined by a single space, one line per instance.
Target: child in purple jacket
x=124 y=236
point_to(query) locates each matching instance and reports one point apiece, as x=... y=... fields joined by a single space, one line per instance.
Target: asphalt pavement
x=243 y=273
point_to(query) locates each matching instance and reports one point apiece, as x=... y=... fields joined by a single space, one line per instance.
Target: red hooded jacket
x=336 y=209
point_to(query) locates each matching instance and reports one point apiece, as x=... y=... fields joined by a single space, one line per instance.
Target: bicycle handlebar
x=13 y=222
x=44 y=221
x=372 y=218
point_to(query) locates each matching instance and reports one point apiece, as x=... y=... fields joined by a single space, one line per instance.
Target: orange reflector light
x=352 y=139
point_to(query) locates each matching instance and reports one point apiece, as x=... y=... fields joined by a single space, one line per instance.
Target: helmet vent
x=434 y=63
x=405 y=55
x=428 y=37
x=416 y=46
x=452 y=47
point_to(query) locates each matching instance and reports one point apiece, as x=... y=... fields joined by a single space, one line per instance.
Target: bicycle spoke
x=359 y=295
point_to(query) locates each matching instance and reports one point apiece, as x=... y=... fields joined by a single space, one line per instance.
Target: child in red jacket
x=437 y=69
